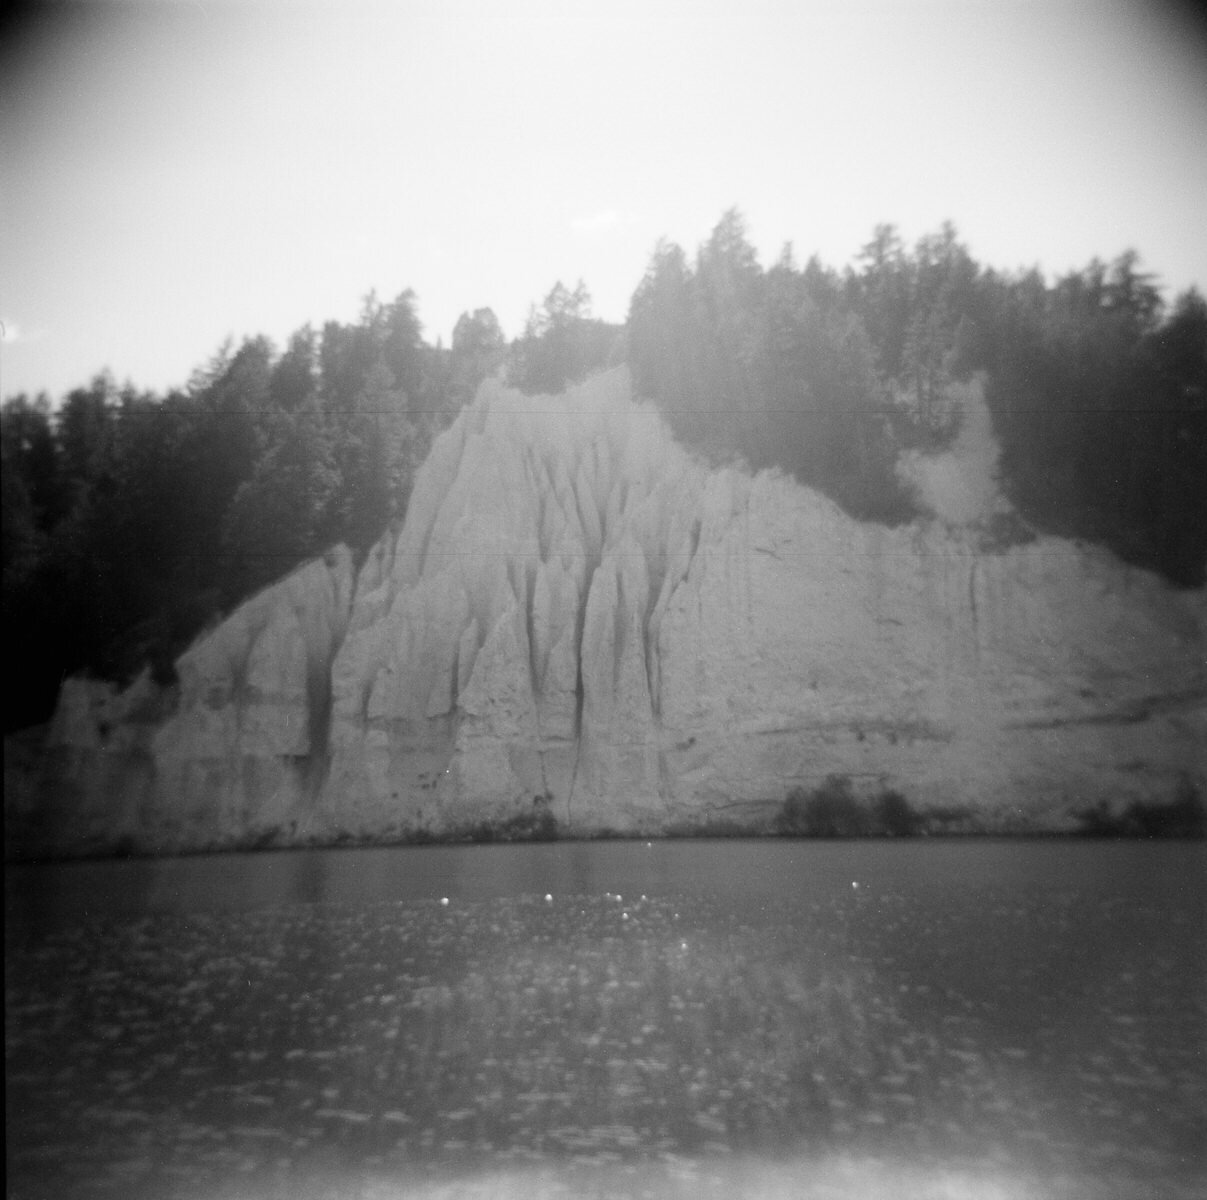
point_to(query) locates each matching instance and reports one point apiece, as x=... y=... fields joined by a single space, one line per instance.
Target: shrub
x=261 y=839
x=537 y=826
x=1099 y=821
x=1184 y=817
x=831 y=810
x=893 y=816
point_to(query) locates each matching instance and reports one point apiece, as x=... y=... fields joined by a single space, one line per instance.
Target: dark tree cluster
x=1099 y=400
x=563 y=344
x=1097 y=390
x=130 y=521
x=774 y=367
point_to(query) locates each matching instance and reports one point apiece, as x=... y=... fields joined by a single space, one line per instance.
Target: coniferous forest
x=132 y=521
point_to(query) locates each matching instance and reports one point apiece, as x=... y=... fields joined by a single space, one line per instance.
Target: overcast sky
x=176 y=171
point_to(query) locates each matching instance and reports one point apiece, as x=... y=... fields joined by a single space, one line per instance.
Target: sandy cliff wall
x=577 y=618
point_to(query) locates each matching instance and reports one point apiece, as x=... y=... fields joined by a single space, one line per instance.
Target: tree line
x=1097 y=389
x=132 y=520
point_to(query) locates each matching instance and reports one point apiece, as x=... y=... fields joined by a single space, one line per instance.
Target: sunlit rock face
x=503 y=655
x=243 y=750
x=578 y=619
x=1024 y=683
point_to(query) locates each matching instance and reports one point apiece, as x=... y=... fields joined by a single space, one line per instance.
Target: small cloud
x=596 y=222
x=12 y=332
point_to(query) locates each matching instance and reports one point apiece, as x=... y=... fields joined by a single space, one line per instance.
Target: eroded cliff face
x=503 y=653
x=230 y=754
x=577 y=619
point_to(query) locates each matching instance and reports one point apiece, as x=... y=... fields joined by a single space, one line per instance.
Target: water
x=697 y=1018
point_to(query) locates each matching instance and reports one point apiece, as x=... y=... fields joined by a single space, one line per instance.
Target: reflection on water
x=746 y=874
x=977 y=1019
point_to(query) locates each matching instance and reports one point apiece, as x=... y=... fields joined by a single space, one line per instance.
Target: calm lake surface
x=770 y=1018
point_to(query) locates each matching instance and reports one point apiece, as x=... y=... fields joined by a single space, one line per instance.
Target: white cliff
x=579 y=619
x=504 y=649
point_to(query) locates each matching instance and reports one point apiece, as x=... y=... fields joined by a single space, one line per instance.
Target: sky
x=177 y=172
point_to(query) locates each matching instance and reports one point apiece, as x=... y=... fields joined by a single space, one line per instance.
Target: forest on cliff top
x=132 y=520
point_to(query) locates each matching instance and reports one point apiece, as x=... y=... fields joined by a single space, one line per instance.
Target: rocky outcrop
x=578 y=621
x=505 y=649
